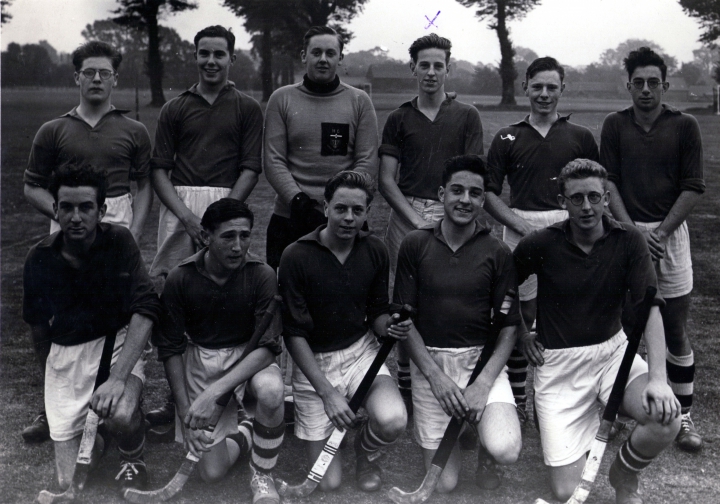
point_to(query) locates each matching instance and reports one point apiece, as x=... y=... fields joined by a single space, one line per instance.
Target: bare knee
x=126 y=420
x=330 y=482
x=390 y=424
x=269 y=390
x=447 y=483
x=211 y=473
x=662 y=434
x=507 y=454
x=562 y=490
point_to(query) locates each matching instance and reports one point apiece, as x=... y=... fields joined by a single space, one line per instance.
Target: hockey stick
x=597 y=450
x=87 y=442
x=332 y=445
x=453 y=429
x=188 y=466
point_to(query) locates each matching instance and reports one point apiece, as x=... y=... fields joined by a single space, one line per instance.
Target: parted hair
x=468 y=162
x=321 y=30
x=71 y=175
x=216 y=31
x=432 y=41
x=96 y=49
x=352 y=180
x=580 y=169
x=642 y=57
x=544 y=64
x=223 y=210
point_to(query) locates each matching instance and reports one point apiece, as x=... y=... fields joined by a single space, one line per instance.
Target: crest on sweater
x=335 y=138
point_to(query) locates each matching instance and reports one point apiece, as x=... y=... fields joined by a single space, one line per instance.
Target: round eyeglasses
x=640 y=83
x=578 y=199
x=89 y=73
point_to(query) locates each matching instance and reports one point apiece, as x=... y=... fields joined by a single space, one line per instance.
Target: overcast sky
x=573 y=31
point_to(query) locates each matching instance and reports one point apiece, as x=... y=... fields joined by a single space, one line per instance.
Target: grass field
x=26 y=469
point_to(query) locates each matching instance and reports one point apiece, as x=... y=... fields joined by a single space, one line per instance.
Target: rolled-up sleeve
x=171 y=339
x=42 y=160
x=163 y=157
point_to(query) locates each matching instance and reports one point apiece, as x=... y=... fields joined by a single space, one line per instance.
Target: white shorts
x=538 y=220
x=344 y=369
x=570 y=388
x=119 y=211
x=430 y=420
x=174 y=245
x=70 y=373
x=203 y=367
x=674 y=271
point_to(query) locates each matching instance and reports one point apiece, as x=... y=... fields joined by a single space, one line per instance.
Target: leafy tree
x=501 y=12
x=615 y=57
x=143 y=15
x=692 y=73
x=27 y=65
x=487 y=80
x=708 y=12
x=705 y=57
x=5 y=16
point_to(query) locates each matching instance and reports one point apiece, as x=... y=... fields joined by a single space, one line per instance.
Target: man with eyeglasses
x=654 y=157
x=98 y=134
x=585 y=267
x=531 y=154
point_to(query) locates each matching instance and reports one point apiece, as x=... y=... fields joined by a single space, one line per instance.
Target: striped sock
x=681 y=374
x=404 y=380
x=367 y=442
x=629 y=460
x=517 y=374
x=134 y=453
x=266 y=442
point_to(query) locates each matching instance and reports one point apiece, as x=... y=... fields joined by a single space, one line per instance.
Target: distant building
x=594 y=89
x=678 y=91
x=391 y=78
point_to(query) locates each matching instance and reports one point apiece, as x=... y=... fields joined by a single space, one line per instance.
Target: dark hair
x=321 y=30
x=467 y=162
x=96 y=49
x=352 y=180
x=546 y=64
x=223 y=210
x=432 y=41
x=216 y=31
x=71 y=175
x=643 y=57
x=581 y=169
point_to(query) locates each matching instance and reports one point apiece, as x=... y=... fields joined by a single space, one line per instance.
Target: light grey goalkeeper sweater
x=309 y=137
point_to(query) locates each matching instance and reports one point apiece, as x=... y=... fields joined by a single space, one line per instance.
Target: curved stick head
x=46 y=497
x=303 y=490
x=421 y=494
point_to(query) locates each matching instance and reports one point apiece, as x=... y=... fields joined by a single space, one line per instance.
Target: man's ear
x=205 y=236
x=525 y=88
x=303 y=56
x=55 y=209
x=665 y=86
x=325 y=208
x=102 y=211
x=441 y=194
x=412 y=67
x=562 y=201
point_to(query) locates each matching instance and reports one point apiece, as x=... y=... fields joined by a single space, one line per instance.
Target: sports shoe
x=487 y=475
x=688 y=438
x=368 y=475
x=626 y=486
x=38 y=431
x=263 y=488
x=133 y=474
x=161 y=416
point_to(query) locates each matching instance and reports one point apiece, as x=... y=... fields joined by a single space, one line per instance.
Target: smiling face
x=321 y=58
x=544 y=90
x=229 y=242
x=647 y=99
x=78 y=213
x=431 y=70
x=346 y=212
x=463 y=197
x=213 y=61
x=586 y=217
x=94 y=90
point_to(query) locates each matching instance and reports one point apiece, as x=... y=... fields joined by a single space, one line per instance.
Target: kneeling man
x=213 y=301
x=334 y=283
x=585 y=267
x=83 y=284
x=457 y=273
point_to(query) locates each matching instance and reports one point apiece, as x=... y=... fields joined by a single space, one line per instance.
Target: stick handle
x=359 y=396
x=618 y=390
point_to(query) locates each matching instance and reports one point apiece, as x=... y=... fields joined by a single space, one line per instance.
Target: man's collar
x=194 y=89
x=55 y=240
x=666 y=109
x=197 y=260
x=314 y=236
x=449 y=98
x=113 y=110
x=480 y=228
x=526 y=120
x=609 y=225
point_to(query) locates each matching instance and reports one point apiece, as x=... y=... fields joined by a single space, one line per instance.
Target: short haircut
x=468 y=162
x=321 y=30
x=223 y=210
x=96 y=49
x=545 y=64
x=581 y=169
x=219 y=32
x=71 y=175
x=643 y=57
x=352 y=180
x=432 y=41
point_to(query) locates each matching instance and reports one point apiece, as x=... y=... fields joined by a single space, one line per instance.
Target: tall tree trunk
x=266 y=74
x=154 y=61
x=507 y=71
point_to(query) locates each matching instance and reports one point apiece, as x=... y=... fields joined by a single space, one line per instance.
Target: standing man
x=456 y=273
x=81 y=285
x=417 y=140
x=531 y=154
x=213 y=301
x=654 y=157
x=334 y=287
x=98 y=134
x=313 y=130
x=210 y=138
x=585 y=267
